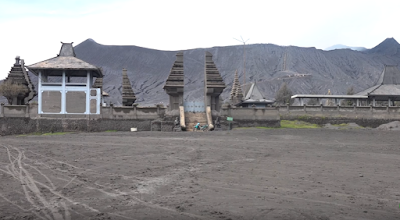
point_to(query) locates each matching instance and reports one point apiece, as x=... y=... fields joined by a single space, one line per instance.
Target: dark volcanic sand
x=241 y=174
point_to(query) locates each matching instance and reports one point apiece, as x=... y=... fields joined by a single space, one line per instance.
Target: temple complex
x=65 y=84
x=128 y=96
x=19 y=75
x=213 y=84
x=175 y=83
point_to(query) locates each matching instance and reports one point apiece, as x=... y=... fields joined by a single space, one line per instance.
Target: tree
x=283 y=95
x=12 y=90
x=348 y=102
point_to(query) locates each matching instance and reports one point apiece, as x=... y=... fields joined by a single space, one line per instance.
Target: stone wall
x=249 y=117
x=23 y=119
x=131 y=112
x=19 y=125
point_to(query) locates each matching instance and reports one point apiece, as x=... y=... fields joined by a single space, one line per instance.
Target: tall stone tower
x=236 y=92
x=128 y=97
x=175 y=83
x=213 y=84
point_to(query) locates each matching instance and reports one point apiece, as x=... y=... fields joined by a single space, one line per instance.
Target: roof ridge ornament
x=67 y=50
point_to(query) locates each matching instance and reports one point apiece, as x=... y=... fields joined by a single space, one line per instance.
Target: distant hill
x=306 y=70
x=341 y=46
x=388 y=47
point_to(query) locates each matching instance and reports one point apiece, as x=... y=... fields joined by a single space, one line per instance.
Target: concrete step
x=189 y=127
x=191 y=119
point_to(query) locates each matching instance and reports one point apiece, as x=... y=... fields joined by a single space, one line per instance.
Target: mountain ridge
x=305 y=70
x=341 y=46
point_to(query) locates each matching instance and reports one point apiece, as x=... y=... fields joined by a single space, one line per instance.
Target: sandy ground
x=240 y=174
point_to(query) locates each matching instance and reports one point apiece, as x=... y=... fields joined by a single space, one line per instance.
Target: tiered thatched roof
x=213 y=78
x=66 y=60
x=176 y=75
x=388 y=84
x=128 y=96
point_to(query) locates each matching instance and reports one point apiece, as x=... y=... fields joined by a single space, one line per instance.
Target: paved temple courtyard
x=239 y=174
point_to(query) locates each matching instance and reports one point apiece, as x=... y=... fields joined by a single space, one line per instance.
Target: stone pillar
x=174 y=85
x=27 y=110
x=213 y=83
x=111 y=113
x=2 y=110
x=135 y=109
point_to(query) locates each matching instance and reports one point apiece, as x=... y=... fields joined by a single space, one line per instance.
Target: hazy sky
x=33 y=29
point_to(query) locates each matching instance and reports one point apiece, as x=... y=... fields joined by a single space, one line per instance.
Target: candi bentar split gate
x=192 y=112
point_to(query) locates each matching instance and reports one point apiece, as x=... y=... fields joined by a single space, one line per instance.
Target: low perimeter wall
x=24 y=119
x=20 y=125
x=131 y=112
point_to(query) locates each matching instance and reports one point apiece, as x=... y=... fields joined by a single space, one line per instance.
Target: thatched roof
x=387 y=85
x=66 y=60
x=254 y=95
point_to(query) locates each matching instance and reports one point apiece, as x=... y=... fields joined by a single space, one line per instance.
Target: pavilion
x=252 y=98
x=386 y=89
x=65 y=84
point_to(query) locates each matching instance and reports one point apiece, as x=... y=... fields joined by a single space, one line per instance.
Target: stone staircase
x=191 y=119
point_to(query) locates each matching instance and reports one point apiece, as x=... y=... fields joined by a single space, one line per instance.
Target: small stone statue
x=176 y=122
x=177 y=126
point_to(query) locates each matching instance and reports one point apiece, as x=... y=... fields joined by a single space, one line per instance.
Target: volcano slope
x=305 y=70
x=239 y=174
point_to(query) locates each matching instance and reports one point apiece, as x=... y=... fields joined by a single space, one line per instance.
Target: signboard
x=229 y=118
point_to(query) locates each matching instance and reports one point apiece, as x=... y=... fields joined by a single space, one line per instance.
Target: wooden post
x=40 y=93
x=63 y=95
x=88 y=85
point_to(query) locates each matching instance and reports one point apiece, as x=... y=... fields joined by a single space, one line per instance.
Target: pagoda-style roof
x=128 y=96
x=236 y=88
x=19 y=75
x=253 y=95
x=66 y=60
x=176 y=75
x=387 y=85
x=213 y=78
